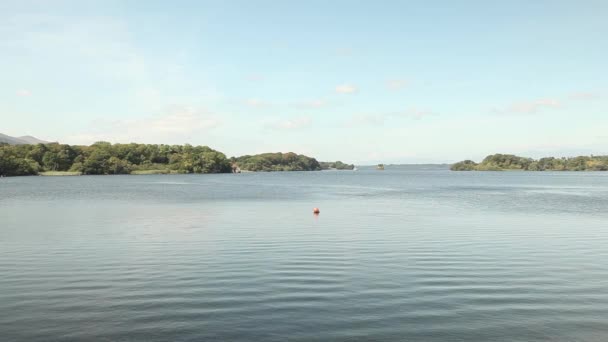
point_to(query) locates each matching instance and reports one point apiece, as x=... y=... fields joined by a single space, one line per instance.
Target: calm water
x=403 y=254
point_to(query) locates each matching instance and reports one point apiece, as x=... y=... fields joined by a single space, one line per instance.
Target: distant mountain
x=25 y=140
x=32 y=140
x=10 y=140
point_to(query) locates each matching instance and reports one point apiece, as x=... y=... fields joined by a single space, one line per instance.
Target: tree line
x=103 y=158
x=506 y=162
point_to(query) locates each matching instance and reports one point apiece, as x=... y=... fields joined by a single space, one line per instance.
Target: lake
x=417 y=254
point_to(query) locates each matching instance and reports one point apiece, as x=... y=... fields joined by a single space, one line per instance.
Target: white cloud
x=544 y=104
x=528 y=107
x=380 y=119
x=175 y=125
x=367 y=120
x=23 y=93
x=346 y=89
x=290 y=124
x=180 y=120
x=255 y=103
x=396 y=84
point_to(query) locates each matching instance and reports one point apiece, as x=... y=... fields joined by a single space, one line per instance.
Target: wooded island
x=510 y=162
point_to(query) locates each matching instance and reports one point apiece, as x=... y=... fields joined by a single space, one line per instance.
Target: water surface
x=402 y=254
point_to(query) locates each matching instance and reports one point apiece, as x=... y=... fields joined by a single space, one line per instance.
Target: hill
x=32 y=140
x=24 y=140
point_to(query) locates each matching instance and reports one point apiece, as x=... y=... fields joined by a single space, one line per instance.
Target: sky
x=357 y=81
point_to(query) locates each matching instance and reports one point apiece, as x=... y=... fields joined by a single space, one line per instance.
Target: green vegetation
x=509 y=162
x=277 y=162
x=466 y=165
x=336 y=165
x=103 y=158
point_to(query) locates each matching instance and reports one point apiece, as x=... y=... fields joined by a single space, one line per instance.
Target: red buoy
x=316 y=210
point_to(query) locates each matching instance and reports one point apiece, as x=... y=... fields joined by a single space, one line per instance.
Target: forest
x=103 y=158
x=510 y=162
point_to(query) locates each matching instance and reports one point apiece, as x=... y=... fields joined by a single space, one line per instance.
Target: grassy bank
x=60 y=173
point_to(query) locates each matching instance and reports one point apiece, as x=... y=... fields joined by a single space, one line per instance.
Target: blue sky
x=360 y=81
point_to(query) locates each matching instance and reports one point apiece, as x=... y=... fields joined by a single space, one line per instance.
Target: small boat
x=380 y=167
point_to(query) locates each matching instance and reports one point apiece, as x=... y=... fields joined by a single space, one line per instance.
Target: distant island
x=509 y=162
x=338 y=165
x=277 y=162
x=103 y=158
